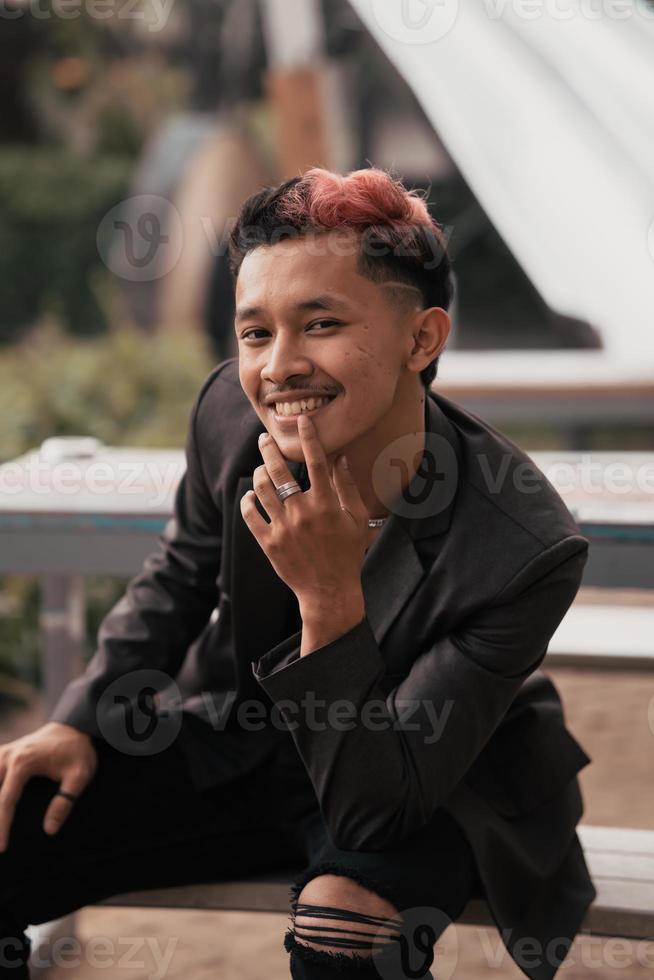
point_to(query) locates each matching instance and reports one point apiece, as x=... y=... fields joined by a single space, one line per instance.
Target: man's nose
x=284 y=359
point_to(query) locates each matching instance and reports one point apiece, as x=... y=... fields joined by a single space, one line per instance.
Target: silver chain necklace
x=377 y=521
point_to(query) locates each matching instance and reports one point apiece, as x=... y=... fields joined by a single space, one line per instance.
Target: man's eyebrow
x=324 y=302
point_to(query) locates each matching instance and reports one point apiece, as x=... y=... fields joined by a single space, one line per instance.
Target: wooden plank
x=588 y=595
x=605 y=637
x=580 y=372
x=572 y=390
x=603 y=487
x=621 y=862
x=625 y=867
x=625 y=840
x=261 y=893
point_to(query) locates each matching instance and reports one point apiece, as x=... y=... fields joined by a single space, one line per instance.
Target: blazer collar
x=392 y=568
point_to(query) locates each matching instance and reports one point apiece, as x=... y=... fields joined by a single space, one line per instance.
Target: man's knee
x=336 y=914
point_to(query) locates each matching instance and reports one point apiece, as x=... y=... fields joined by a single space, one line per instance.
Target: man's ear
x=430 y=330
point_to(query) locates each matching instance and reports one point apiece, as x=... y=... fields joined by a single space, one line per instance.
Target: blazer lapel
x=391 y=572
x=401 y=556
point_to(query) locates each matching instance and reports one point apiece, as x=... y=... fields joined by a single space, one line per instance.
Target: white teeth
x=304 y=405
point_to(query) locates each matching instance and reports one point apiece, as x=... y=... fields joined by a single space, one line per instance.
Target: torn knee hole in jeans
x=364 y=935
x=333 y=868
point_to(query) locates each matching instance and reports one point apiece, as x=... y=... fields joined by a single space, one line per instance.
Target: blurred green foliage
x=51 y=204
x=20 y=666
x=125 y=388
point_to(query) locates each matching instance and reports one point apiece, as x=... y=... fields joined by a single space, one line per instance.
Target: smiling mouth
x=287 y=411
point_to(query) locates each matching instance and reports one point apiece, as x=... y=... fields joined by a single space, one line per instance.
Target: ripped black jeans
x=142 y=824
x=429 y=878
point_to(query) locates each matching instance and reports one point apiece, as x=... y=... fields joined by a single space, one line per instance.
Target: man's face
x=309 y=325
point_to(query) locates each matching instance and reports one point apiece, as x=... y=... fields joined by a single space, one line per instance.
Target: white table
x=575 y=391
x=86 y=516
x=101 y=515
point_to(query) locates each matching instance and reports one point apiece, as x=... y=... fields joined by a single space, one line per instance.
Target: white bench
x=574 y=390
x=621 y=862
x=613 y=636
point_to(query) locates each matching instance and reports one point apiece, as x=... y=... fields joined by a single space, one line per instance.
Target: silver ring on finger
x=288 y=489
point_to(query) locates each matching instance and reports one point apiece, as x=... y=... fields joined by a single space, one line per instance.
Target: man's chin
x=291 y=447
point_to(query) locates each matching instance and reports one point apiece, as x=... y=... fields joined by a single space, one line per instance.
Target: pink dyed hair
x=360 y=199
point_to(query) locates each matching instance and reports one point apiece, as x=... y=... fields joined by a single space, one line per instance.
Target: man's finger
x=12 y=787
x=275 y=464
x=315 y=458
x=60 y=808
x=264 y=487
x=252 y=517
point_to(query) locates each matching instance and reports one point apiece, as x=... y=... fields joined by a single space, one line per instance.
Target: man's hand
x=61 y=753
x=316 y=541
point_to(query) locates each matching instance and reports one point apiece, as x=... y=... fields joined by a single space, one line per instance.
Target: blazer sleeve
x=166 y=606
x=383 y=765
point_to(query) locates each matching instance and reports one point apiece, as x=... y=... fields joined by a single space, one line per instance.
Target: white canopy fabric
x=547 y=108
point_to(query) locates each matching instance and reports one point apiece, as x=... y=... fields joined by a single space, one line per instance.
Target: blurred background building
x=190 y=110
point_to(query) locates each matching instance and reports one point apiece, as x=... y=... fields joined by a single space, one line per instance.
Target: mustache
x=289 y=389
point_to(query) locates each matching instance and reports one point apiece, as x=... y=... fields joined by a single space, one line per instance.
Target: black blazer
x=463 y=594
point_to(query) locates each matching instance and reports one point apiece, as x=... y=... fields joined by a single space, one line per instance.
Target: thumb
x=60 y=808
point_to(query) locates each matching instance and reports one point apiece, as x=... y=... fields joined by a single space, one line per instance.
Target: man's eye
x=262 y=332
x=324 y=323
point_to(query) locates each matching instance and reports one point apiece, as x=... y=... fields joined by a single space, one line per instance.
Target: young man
x=387 y=571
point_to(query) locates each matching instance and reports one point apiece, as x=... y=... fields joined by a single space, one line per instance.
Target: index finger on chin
x=314 y=457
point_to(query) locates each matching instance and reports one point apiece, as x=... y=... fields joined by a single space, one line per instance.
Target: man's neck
x=392 y=449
